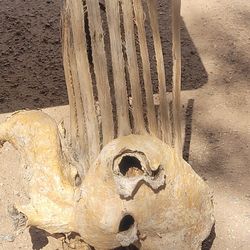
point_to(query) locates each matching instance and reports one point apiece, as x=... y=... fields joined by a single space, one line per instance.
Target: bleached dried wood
x=85 y=81
x=78 y=134
x=50 y=176
x=73 y=133
x=82 y=140
x=157 y=201
x=133 y=70
x=139 y=19
x=165 y=123
x=118 y=66
x=101 y=69
x=176 y=47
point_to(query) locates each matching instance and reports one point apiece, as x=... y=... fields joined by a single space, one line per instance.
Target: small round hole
x=78 y=180
x=155 y=173
x=126 y=223
x=130 y=166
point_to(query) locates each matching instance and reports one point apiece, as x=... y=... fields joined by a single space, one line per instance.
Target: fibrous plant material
x=117 y=180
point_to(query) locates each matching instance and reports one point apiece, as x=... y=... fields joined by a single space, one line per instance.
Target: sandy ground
x=216 y=102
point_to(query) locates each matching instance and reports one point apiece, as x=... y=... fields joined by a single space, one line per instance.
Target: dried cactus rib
x=69 y=82
x=118 y=66
x=139 y=20
x=81 y=144
x=176 y=6
x=77 y=133
x=101 y=69
x=164 y=106
x=85 y=80
x=132 y=64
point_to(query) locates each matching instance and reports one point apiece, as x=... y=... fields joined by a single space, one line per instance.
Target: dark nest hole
x=130 y=166
x=126 y=223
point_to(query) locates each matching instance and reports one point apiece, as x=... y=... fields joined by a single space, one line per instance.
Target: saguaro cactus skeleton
x=119 y=179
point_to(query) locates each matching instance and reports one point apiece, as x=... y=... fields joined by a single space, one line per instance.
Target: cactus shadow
x=208 y=242
x=39 y=238
x=188 y=129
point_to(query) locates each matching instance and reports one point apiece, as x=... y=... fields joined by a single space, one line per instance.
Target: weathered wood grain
x=176 y=5
x=85 y=81
x=164 y=105
x=101 y=70
x=139 y=19
x=118 y=66
x=133 y=70
x=68 y=77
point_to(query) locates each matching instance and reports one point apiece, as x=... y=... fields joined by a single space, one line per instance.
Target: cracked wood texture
x=108 y=73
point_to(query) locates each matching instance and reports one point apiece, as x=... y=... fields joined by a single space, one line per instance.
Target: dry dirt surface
x=216 y=104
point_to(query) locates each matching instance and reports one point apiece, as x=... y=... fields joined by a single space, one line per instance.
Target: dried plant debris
x=117 y=177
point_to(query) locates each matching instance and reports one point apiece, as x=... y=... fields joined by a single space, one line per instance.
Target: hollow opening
x=130 y=166
x=155 y=173
x=126 y=223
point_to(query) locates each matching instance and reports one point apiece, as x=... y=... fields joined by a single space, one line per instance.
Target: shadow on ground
x=208 y=242
x=38 y=237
